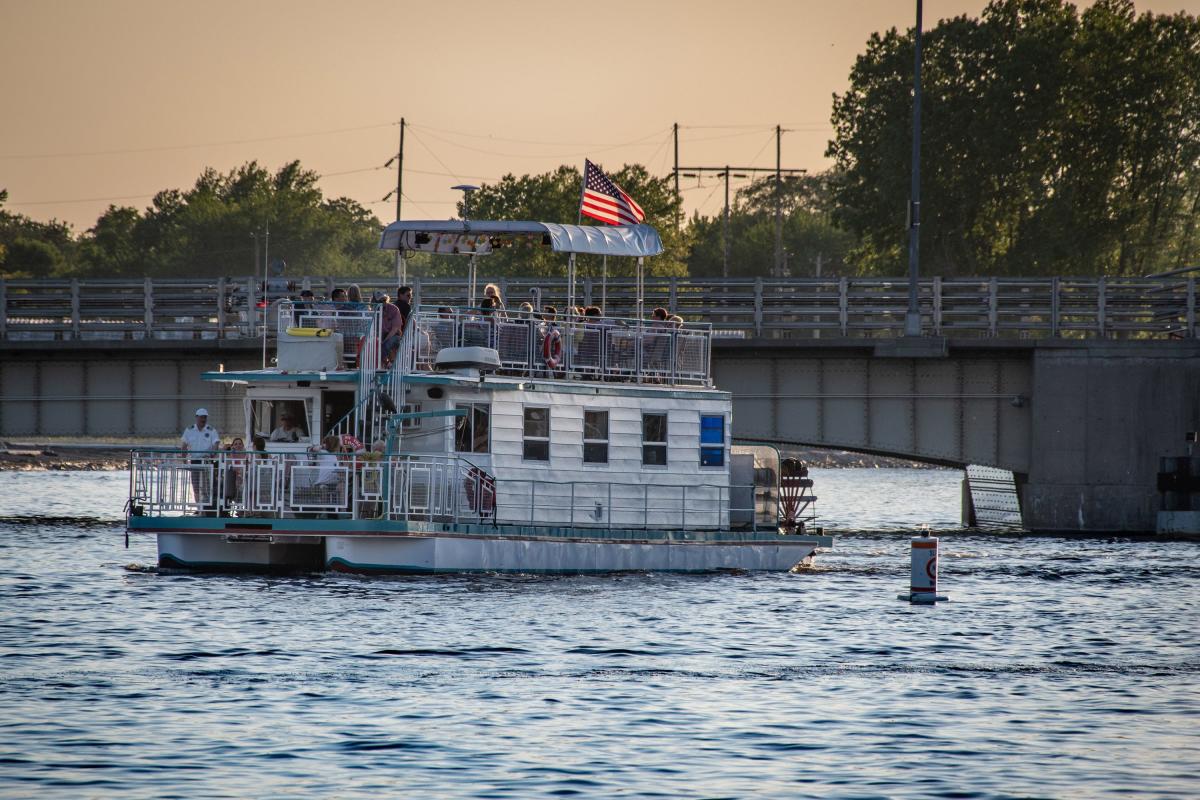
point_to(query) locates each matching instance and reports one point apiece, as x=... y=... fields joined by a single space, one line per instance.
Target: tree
x=207 y=230
x=812 y=244
x=1055 y=142
x=31 y=249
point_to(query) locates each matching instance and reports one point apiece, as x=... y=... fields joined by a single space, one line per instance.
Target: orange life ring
x=552 y=348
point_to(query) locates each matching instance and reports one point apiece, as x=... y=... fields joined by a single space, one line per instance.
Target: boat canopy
x=480 y=237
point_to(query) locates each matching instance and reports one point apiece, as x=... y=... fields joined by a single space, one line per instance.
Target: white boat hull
x=540 y=556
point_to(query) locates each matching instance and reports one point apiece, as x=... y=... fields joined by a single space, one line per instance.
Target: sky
x=109 y=101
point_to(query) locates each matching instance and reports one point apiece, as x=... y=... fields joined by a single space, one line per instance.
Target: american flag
x=605 y=201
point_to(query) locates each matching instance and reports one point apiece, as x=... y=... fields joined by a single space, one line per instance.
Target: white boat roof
x=478 y=237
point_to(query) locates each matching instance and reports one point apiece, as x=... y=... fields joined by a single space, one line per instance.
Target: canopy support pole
x=401 y=268
x=571 y=283
x=471 y=278
x=604 y=286
x=641 y=289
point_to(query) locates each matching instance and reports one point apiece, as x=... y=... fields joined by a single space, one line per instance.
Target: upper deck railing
x=172 y=309
x=584 y=348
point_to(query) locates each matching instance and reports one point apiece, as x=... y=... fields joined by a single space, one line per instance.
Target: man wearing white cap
x=201 y=438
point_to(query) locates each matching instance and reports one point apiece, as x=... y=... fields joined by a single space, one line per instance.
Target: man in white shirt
x=202 y=439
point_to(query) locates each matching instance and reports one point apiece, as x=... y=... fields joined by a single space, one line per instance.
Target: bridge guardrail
x=231 y=308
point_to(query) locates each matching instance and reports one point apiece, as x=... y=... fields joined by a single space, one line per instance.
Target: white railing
x=419 y=488
x=588 y=348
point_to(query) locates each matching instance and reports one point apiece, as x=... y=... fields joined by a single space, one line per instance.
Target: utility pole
x=912 y=319
x=266 y=289
x=399 y=192
x=727 y=172
x=678 y=200
x=778 y=202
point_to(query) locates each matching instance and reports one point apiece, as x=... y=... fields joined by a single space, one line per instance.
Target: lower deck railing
x=424 y=488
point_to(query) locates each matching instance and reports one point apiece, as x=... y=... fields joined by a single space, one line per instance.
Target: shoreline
x=101 y=456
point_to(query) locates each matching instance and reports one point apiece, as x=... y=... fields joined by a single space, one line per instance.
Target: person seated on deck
x=354 y=298
x=287 y=430
x=656 y=341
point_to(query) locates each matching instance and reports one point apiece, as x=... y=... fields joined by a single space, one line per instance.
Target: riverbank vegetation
x=1056 y=142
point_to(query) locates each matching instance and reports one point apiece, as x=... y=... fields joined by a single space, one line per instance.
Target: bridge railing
x=226 y=308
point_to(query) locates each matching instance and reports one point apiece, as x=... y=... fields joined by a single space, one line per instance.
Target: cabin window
x=595 y=437
x=537 y=434
x=712 y=440
x=472 y=432
x=654 y=440
x=280 y=420
x=407 y=423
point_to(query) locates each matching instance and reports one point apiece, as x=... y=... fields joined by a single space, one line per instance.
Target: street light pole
x=912 y=319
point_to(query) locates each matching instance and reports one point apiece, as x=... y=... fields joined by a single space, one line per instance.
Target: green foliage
x=808 y=234
x=1054 y=142
x=554 y=197
x=216 y=227
x=30 y=249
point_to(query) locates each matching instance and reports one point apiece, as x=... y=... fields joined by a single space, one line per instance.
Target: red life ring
x=552 y=348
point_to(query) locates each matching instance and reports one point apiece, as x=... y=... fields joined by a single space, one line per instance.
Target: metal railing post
x=758 y=307
x=993 y=307
x=74 y=308
x=937 y=306
x=3 y=309
x=672 y=298
x=148 y=307
x=572 y=504
x=1101 y=309
x=843 y=304
x=1055 y=308
x=1191 y=307
x=220 y=308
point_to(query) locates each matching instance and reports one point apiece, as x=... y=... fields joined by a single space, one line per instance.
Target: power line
x=592 y=151
x=197 y=146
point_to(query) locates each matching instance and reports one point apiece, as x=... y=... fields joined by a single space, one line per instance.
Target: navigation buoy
x=923 y=585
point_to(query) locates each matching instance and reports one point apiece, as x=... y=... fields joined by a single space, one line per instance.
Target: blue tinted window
x=712 y=456
x=712 y=430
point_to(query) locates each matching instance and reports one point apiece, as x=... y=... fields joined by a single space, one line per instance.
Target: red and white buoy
x=923 y=585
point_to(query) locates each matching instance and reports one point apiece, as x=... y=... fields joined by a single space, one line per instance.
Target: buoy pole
x=923 y=583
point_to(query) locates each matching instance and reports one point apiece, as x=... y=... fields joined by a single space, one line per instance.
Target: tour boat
x=491 y=442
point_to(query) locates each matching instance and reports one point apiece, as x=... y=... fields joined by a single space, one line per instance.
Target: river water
x=1059 y=668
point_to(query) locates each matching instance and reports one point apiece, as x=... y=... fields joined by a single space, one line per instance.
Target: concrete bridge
x=1076 y=387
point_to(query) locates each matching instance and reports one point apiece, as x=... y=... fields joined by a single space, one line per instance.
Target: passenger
x=526 y=310
x=328 y=480
x=656 y=342
x=306 y=302
x=392 y=323
x=260 y=445
x=354 y=298
x=338 y=296
x=201 y=440
x=404 y=303
x=235 y=473
x=493 y=291
x=287 y=430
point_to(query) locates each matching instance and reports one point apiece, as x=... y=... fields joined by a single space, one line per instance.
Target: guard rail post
x=148 y=307
x=1190 y=329
x=673 y=296
x=1101 y=310
x=758 y=307
x=3 y=309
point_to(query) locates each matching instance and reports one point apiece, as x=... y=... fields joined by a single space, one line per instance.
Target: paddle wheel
x=795 y=496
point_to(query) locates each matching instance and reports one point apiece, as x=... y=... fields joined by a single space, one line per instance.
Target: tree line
x=1056 y=142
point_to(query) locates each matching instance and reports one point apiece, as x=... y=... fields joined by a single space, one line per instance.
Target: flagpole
x=578 y=221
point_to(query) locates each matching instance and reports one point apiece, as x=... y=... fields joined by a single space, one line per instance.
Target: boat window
x=595 y=437
x=654 y=440
x=537 y=434
x=712 y=440
x=472 y=433
x=280 y=420
x=408 y=423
